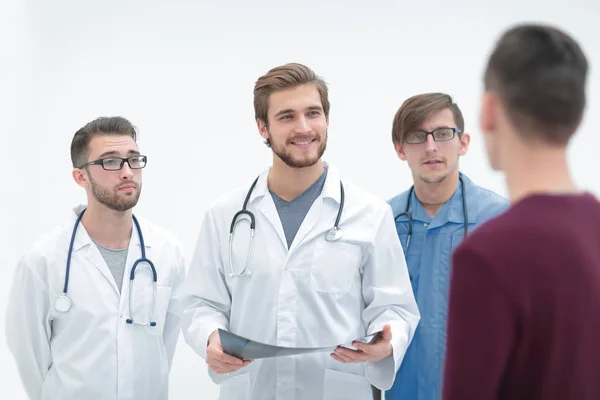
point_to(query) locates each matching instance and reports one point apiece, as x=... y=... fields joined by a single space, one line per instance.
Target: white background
x=183 y=72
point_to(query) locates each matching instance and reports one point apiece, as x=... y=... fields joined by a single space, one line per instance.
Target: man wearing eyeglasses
x=85 y=320
x=432 y=217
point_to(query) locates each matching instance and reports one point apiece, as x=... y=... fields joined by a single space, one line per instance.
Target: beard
x=113 y=199
x=306 y=160
x=435 y=179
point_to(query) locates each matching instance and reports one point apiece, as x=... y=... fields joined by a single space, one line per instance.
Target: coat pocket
x=335 y=266
x=236 y=387
x=343 y=386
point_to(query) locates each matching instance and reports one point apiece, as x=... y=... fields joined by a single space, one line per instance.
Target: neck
x=288 y=183
x=434 y=195
x=109 y=228
x=531 y=172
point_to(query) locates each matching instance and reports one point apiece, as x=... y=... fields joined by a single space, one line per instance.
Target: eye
x=444 y=133
x=415 y=136
x=111 y=161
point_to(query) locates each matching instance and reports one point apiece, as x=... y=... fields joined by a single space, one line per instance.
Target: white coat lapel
x=143 y=275
x=320 y=209
x=92 y=254
x=308 y=224
x=263 y=202
x=268 y=209
x=84 y=246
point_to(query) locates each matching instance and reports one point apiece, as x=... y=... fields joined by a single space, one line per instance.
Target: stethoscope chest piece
x=62 y=304
x=334 y=234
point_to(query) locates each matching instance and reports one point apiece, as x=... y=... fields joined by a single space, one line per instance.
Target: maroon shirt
x=524 y=311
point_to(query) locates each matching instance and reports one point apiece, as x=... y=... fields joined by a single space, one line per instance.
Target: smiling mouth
x=303 y=142
x=432 y=162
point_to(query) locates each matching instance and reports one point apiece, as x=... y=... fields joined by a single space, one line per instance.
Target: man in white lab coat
x=94 y=341
x=299 y=289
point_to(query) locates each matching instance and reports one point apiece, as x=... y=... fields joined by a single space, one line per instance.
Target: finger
x=213 y=361
x=218 y=370
x=365 y=348
x=338 y=358
x=226 y=358
x=386 y=334
x=345 y=359
x=350 y=355
x=222 y=368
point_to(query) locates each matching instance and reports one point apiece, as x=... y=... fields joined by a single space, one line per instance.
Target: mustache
x=302 y=138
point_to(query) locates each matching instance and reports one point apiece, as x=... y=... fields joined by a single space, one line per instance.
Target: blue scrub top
x=428 y=257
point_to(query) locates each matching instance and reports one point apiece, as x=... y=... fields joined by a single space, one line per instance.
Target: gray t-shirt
x=115 y=259
x=292 y=213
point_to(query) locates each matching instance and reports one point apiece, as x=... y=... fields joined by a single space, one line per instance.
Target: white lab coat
x=318 y=293
x=90 y=352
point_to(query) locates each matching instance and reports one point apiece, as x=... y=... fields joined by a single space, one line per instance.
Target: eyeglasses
x=116 y=163
x=439 y=135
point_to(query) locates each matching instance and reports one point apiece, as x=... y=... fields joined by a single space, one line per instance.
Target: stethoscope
x=407 y=214
x=332 y=235
x=63 y=302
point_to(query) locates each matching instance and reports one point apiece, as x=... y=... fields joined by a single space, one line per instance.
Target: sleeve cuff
x=382 y=373
x=202 y=342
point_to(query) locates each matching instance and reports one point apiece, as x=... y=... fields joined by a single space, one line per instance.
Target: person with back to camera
x=524 y=314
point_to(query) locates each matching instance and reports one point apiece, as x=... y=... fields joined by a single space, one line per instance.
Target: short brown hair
x=284 y=77
x=101 y=126
x=417 y=109
x=539 y=73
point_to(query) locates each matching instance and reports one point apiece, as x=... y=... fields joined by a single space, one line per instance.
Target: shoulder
x=485 y=203
x=223 y=207
x=494 y=239
x=398 y=202
x=365 y=208
x=231 y=199
x=47 y=248
x=158 y=234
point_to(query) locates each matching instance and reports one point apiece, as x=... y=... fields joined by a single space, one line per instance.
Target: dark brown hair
x=417 y=109
x=539 y=74
x=100 y=126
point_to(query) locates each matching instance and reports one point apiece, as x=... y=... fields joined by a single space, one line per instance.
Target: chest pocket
x=335 y=266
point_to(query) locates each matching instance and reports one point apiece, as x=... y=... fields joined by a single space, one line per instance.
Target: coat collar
x=331 y=188
x=83 y=239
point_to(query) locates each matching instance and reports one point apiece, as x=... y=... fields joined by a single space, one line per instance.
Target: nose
x=126 y=172
x=302 y=125
x=431 y=144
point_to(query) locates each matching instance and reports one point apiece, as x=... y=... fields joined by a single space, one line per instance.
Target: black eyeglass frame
x=432 y=133
x=127 y=160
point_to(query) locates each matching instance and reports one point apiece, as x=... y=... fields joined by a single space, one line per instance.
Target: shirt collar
x=331 y=188
x=82 y=238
